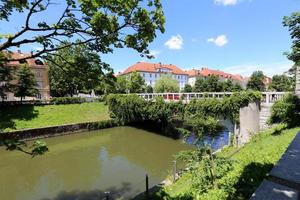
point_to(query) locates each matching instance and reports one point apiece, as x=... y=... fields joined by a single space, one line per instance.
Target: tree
x=149 y=89
x=229 y=86
x=26 y=84
x=188 y=88
x=166 y=84
x=76 y=68
x=282 y=83
x=121 y=84
x=200 y=85
x=293 y=24
x=5 y=78
x=101 y=25
x=237 y=87
x=213 y=84
x=256 y=81
x=136 y=83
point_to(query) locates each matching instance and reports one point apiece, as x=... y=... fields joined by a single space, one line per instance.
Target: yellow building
x=39 y=69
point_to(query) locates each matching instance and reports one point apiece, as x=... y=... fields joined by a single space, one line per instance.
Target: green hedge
x=102 y=124
x=199 y=116
x=67 y=100
x=286 y=111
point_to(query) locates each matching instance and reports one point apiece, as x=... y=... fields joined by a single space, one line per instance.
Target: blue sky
x=238 y=36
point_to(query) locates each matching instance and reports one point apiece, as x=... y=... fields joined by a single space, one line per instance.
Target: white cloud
x=220 y=41
x=226 y=2
x=175 y=42
x=268 y=69
x=154 y=53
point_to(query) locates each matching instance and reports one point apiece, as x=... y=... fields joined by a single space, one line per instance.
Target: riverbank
x=251 y=164
x=23 y=117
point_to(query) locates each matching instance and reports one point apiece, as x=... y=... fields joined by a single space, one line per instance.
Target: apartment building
x=39 y=69
x=151 y=72
x=223 y=76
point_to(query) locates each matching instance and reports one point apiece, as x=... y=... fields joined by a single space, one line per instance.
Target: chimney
x=31 y=52
x=19 y=51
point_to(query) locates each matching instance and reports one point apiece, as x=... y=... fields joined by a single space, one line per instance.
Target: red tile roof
x=209 y=72
x=153 y=67
x=18 y=55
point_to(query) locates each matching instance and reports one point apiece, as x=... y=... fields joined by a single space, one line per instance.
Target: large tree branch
x=67 y=27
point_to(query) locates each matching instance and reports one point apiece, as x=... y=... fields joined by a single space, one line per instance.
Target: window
x=38 y=62
x=39 y=84
x=150 y=75
x=23 y=61
x=38 y=74
x=155 y=75
x=150 y=82
x=39 y=96
x=143 y=75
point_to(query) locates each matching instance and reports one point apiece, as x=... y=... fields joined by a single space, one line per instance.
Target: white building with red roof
x=223 y=76
x=151 y=72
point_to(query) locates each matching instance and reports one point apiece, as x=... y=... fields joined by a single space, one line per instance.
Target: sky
x=237 y=36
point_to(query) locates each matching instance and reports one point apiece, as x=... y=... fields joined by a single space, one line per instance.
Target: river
x=86 y=165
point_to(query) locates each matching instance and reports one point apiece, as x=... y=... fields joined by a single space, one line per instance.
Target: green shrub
x=67 y=100
x=286 y=111
x=102 y=124
x=202 y=115
x=126 y=109
x=237 y=172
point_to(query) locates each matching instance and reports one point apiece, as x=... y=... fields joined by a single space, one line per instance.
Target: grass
x=27 y=116
x=251 y=164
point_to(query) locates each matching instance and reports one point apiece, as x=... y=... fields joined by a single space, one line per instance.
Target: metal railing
x=268 y=97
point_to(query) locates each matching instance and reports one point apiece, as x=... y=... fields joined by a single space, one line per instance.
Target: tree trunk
x=297 y=88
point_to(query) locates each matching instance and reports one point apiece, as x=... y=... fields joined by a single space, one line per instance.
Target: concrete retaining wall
x=249 y=122
x=56 y=130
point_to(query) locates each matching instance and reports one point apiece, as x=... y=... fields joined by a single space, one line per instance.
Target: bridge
x=268 y=99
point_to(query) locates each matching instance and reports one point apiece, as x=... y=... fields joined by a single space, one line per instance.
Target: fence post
x=147 y=185
x=174 y=170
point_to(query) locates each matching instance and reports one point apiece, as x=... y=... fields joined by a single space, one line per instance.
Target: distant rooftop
x=154 y=67
x=210 y=72
x=20 y=55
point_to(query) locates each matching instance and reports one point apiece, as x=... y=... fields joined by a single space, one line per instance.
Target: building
x=223 y=76
x=151 y=72
x=39 y=69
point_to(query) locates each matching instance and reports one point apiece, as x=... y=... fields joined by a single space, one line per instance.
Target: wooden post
x=147 y=185
x=174 y=170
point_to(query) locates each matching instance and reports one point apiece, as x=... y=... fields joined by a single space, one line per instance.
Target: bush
x=286 y=111
x=103 y=124
x=67 y=100
x=237 y=172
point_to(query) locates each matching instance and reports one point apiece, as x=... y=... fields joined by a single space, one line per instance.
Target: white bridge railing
x=268 y=97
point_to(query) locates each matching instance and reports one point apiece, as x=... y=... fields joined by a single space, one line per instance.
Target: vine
x=199 y=116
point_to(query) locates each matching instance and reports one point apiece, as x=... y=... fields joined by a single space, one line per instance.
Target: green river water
x=83 y=166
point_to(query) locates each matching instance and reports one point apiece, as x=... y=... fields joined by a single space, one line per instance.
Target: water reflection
x=215 y=142
x=88 y=164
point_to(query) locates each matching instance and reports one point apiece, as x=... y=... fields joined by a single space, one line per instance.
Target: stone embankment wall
x=56 y=130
